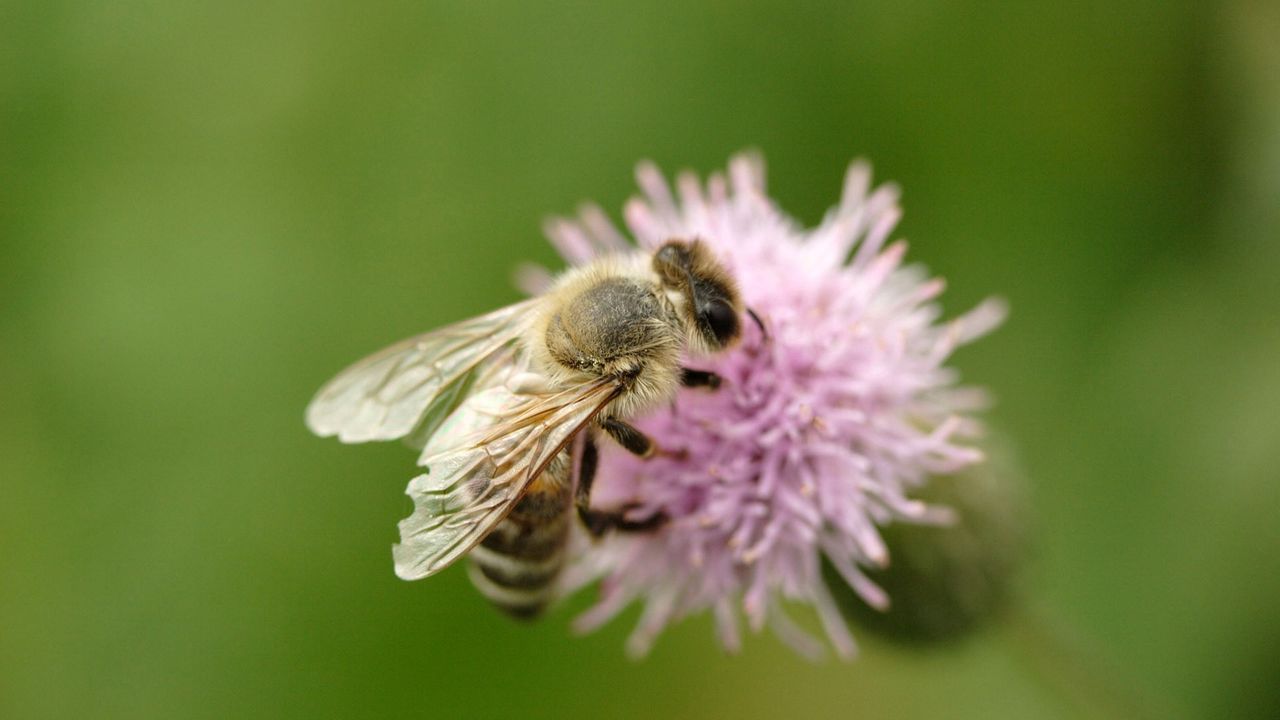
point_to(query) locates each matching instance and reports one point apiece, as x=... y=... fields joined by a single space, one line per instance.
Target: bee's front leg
x=629 y=437
x=699 y=378
x=635 y=441
x=598 y=522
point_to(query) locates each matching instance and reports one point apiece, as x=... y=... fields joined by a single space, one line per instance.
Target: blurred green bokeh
x=208 y=208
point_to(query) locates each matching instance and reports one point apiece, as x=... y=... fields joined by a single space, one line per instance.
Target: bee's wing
x=474 y=481
x=387 y=395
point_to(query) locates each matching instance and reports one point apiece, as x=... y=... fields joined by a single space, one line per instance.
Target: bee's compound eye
x=721 y=320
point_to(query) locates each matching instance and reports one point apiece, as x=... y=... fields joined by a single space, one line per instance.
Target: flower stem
x=1064 y=661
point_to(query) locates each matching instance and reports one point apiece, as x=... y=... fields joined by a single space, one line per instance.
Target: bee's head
x=711 y=306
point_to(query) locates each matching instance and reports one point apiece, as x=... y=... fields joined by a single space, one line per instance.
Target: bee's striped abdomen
x=516 y=564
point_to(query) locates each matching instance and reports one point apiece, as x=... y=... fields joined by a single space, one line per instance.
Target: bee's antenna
x=759 y=324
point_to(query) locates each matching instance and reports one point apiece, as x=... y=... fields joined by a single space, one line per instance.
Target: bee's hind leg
x=598 y=522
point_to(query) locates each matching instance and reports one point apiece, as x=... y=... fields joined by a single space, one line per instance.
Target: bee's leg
x=617 y=520
x=598 y=522
x=587 y=464
x=699 y=378
x=629 y=437
x=635 y=441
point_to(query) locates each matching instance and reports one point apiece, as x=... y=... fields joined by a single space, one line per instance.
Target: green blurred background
x=208 y=208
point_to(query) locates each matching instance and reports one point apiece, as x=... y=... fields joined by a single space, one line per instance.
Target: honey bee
x=497 y=401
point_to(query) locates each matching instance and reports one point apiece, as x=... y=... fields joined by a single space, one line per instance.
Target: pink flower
x=820 y=432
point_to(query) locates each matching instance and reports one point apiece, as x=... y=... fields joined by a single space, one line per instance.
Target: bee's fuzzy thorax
x=610 y=318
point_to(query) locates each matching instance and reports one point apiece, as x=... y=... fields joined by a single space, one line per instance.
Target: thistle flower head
x=825 y=423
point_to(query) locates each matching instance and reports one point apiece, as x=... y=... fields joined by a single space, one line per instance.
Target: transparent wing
x=474 y=481
x=387 y=395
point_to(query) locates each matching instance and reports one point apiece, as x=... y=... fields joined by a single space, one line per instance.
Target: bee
x=496 y=403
